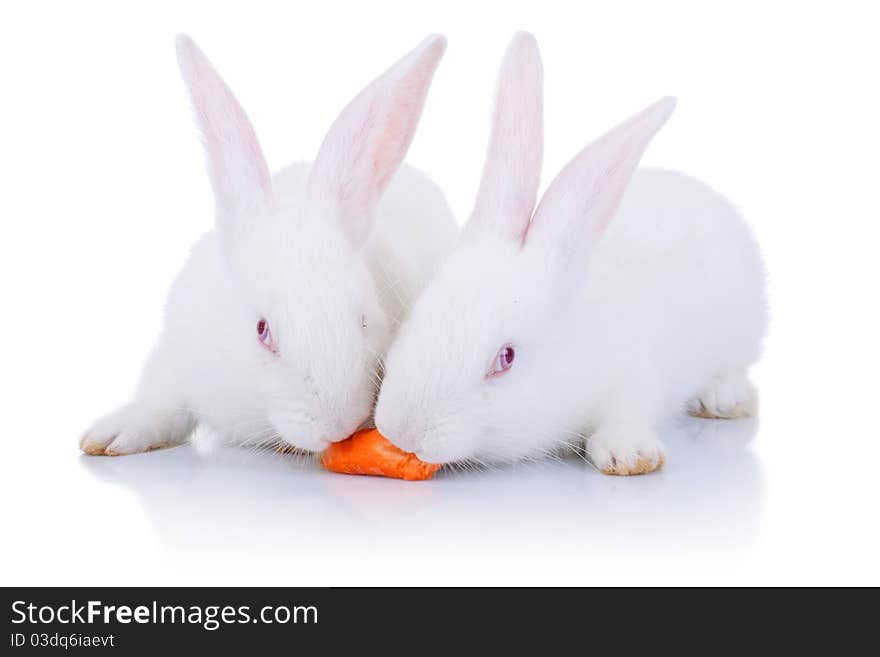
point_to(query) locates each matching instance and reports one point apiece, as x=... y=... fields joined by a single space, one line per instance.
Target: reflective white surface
x=240 y=516
x=289 y=508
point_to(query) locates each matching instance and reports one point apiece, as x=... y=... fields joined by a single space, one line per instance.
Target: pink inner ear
x=406 y=104
x=512 y=172
x=585 y=195
x=238 y=170
x=367 y=143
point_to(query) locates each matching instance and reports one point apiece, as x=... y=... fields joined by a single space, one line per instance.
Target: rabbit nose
x=401 y=434
x=345 y=429
x=341 y=429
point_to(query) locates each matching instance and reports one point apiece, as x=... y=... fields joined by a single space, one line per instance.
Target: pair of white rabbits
x=577 y=324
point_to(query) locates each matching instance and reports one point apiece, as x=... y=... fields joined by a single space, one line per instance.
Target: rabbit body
x=276 y=327
x=624 y=296
x=668 y=315
x=198 y=371
x=678 y=281
x=672 y=315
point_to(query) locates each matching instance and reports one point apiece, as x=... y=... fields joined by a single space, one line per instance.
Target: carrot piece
x=368 y=452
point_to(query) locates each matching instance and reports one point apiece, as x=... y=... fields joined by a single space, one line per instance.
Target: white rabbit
x=275 y=327
x=543 y=329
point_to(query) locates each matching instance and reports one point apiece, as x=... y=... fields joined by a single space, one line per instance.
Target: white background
x=103 y=191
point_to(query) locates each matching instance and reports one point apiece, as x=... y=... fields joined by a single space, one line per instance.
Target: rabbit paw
x=726 y=397
x=131 y=431
x=625 y=451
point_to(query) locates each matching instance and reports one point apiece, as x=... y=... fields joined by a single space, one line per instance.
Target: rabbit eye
x=363 y=321
x=503 y=360
x=265 y=335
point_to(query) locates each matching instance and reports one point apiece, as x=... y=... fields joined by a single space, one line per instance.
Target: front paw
x=120 y=444
x=126 y=431
x=625 y=451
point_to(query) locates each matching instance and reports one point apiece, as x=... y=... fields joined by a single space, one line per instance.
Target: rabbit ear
x=580 y=202
x=369 y=140
x=512 y=171
x=236 y=166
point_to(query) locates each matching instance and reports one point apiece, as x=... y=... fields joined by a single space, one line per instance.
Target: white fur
x=615 y=324
x=320 y=252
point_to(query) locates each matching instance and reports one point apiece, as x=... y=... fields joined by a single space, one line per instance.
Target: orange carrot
x=368 y=452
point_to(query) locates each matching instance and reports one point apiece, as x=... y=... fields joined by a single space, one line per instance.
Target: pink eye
x=503 y=360
x=265 y=334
